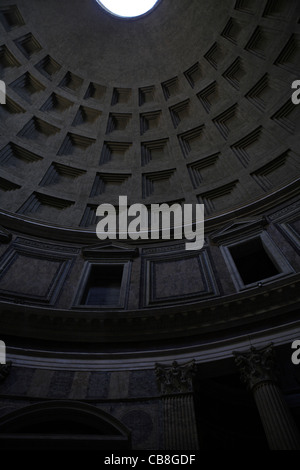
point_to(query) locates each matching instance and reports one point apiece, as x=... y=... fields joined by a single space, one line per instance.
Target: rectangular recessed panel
x=33 y=272
x=30 y=276
x=178 y=277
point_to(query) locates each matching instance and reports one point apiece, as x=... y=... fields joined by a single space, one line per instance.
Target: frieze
x=289 y=210
x=46 y=246
x=164 y=249
x=109 y=250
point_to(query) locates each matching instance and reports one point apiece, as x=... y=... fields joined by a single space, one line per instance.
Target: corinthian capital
x=256 y=365
x=175 y=378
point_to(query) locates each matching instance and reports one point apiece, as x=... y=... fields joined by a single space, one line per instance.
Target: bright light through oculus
x=128 y=8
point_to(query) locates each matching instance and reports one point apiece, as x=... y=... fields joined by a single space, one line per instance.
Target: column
x=258 y=371
x=175 y=383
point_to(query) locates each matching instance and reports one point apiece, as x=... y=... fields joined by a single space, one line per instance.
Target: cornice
x=272 y=304
x=143 y=358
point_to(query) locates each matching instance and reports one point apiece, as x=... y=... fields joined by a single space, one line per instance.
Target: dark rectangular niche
x=95 y=92
x=71 y=82
x=193 y=74
x=146 y=95
x=28 y=45
x=57 y=104
x=48 y=67
x=26 y=86
x=252 y=261
x=74 y=143
x=6 y=185
x=39 y=130
x=103 y=286
x=121 y=95
x=10 y=108
x=170 y=88
x=7 y=60
x=89 y=217
x=288 y=59
x=13 y=155
x=11 y=18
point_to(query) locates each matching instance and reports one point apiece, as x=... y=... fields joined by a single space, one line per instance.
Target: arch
x=64 y=425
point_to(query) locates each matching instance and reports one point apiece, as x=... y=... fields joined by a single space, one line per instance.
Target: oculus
x=128 y=8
